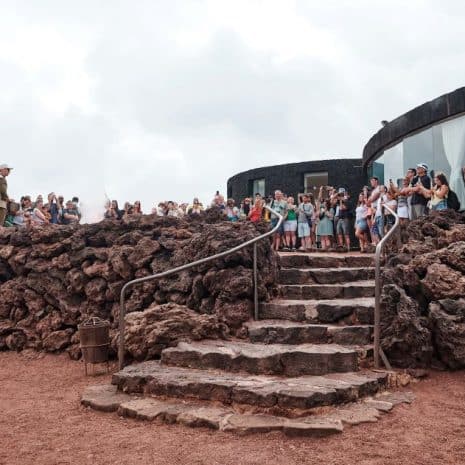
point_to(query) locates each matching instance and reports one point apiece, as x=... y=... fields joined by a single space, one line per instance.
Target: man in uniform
x=4 y=172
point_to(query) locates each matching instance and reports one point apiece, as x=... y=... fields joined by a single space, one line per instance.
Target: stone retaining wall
x=53 y=278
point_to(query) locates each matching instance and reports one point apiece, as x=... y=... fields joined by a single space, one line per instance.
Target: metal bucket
x=94 y=336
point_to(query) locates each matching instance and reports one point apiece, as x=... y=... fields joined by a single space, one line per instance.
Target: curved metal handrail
x=377 y=331
x=122 y=312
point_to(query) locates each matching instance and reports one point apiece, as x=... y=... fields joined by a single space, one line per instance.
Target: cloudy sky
x=157 y=100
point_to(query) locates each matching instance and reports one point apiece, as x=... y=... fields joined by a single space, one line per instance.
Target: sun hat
x=5 y=166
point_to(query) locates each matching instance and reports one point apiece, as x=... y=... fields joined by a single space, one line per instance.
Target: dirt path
x=42 y=422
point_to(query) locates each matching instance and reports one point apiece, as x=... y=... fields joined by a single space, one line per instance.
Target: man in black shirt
x=419 y=201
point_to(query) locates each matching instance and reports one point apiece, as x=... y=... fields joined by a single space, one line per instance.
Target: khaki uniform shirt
x=3 y=194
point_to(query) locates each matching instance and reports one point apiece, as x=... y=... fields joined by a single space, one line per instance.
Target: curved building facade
x=298 y=178
x=433 y=133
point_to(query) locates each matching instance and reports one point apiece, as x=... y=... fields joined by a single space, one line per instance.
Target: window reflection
x=441 y=147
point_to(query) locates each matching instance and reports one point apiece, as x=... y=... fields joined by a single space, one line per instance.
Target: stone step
x=289 y=332
x=324 y=275
x=197 y=414
x=273 y=359
x=348 y=311
x=328 y=291
x=326 y=260
x=270 y=392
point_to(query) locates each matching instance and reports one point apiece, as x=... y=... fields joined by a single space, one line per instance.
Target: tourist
x=361 y=224
x=290 y=225
x=127 y=210
x=245 y=207
x=278 y=205
x=38 y=216
x=4 y=172
x=325 y=225
x=172 y=210
x=438 y=193
x=196 y=208
x=113 y=212
x=71 y=215
x=402 y=201
x=379 y=211
x=421 y=184
x=137 y=210
x=389 y=218
x=343 y=222
x=231 y=211
x=256 y=212
x=305 y=213
x=53 y=207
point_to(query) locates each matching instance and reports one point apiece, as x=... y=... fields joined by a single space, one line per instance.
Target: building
x=432 y=133
x=298 y=178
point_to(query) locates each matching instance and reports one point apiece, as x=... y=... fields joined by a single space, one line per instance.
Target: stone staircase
x=304 y=369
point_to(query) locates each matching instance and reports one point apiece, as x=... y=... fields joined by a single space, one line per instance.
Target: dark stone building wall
x=289 y=178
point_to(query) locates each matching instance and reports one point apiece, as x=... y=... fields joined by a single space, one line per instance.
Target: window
x=313 y=182
x=258 y=187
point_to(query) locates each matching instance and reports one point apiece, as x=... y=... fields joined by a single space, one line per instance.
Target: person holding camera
x=304 y=222
x=421 y=185
x=4 y=172
x=343 y=219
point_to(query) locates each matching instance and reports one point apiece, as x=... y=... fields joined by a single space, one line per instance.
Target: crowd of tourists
x=35 y=212
x=324 y=221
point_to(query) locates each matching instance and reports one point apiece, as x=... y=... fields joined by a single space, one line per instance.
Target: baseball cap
x=341 y=190
x=5 y=166
x=423 y=165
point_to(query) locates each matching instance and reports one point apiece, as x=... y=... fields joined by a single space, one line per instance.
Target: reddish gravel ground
x=42 y=422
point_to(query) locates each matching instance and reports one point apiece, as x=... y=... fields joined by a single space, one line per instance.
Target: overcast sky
x=156 y=100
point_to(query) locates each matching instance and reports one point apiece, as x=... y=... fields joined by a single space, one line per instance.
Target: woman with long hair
x=361 y=224
x=438 y=193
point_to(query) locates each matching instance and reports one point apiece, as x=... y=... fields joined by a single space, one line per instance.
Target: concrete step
x=325 y=260
x=324 y=275
x=348 y=311
x=328 y=291
x=201 y=414
x=289 y=332
x=273 y=359
x=270 y=392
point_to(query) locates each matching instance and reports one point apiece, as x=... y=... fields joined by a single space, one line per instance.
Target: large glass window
x=313 y=181
x=441 y=147
x=258 y=187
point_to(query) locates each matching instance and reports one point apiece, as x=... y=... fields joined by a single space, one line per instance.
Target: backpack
x=453 y=201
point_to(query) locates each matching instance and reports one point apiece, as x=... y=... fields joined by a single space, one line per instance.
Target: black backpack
x=453 y=201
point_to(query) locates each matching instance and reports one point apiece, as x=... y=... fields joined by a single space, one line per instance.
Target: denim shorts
x=362 y=225
x=274 y=222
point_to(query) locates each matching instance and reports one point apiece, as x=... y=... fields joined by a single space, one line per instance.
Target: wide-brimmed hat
x=5 y=166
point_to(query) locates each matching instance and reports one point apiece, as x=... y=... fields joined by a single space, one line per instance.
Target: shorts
x=362 y=225
x=374 y=229
x=389 y=220
x=274 y=222
x=343 y=226
x=303 y=230
x=402 y=212
x=290 y=226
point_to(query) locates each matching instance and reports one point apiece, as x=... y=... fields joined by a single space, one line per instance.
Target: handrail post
x=122 y=326
x=255 y=281
x=377 y=322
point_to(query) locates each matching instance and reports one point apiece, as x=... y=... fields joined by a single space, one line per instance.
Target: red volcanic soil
x=43 y=423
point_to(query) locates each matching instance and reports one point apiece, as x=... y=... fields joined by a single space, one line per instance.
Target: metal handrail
x=122 y=312
x=377 y=350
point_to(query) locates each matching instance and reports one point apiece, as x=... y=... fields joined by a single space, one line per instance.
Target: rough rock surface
x=55 y=277
x=423 y=323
